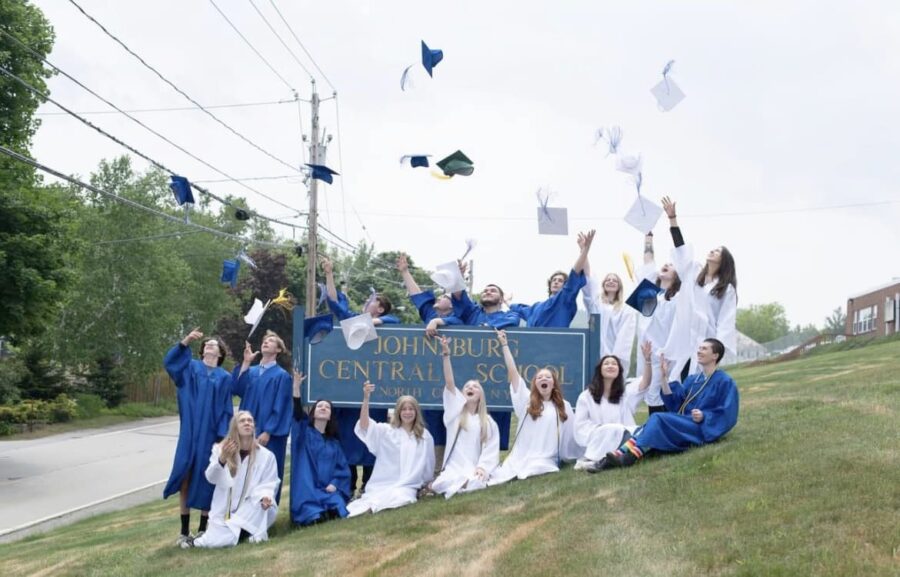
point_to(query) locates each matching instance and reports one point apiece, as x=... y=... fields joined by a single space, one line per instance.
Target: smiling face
x=715 y=256
x=211 y=350
x=473 y=392
x=609 y=368
x=667 y=275
x=611 y=285
x=544 y=382
x=407 y=414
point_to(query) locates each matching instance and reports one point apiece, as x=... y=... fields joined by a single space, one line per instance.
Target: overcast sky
x=784 y=149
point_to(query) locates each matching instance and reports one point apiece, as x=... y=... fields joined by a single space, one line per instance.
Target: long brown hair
x=536 y=403
x=727 y=274
x=618 y=385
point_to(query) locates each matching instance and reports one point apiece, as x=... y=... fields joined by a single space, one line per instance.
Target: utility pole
x=317 y=150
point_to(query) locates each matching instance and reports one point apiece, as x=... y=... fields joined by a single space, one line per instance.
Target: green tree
x=32 y=230
x=763 y=323
x=836 y=323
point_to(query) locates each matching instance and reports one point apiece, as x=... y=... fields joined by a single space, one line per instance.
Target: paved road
x=54 y=480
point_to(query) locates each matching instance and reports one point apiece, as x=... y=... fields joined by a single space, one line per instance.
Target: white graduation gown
x=403 y=464
x=617 y=325
x=465 y=452
x=540 y=444
x=599 y=426
x=703 y=315
x=246 y=490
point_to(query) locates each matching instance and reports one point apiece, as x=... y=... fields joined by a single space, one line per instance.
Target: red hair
x=536 y=404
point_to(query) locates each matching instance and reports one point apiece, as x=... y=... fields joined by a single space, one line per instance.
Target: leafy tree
x=43 y=378
x=763 y=323
x=836 y=323
x=32 y=230
x=106 y=380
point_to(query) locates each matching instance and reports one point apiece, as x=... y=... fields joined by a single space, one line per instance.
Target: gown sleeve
x=722 y=417
x=177 y=361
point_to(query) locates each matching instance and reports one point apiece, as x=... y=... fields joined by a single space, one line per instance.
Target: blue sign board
x=404 y=361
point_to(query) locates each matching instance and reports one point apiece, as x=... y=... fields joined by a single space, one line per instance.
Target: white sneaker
x=582 y=464
x=184 y=541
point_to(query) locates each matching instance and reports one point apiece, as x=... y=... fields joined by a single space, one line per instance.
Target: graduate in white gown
x=545 y=433
x=245 y=475
x=604 y=413
x=711 y=309
x=404 y=455
x=617 y=321
x=473 y=437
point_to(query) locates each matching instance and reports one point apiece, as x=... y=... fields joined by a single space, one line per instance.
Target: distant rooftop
x=894 y=282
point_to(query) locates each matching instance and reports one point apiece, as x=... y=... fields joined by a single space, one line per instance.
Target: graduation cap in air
x=415 y=160
x=457 y=163
x=230 y=268
x=448 y=277
x=317 y=328
x=284 y=300
x=643 y=215
x=643 y=299
x=430 y=58
x=666 y=92
x=322 y=172
x=181 y=188
x=551 y=220
x=358 y=330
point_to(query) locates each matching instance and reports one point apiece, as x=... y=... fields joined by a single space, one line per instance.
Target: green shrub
x=12 y=371
x=106 y=379
x=89 y=405
x=62 y=409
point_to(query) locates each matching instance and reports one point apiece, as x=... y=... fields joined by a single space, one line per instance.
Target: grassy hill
x=808 y=483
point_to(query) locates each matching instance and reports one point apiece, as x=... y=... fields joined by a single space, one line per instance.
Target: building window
x=864 y=320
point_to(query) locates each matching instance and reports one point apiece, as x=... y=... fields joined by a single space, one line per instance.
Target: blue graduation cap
x=430 y=58
x=181 y=188
x=643 y=299
x=317 y=328
x=415 y=160
x=230 y=268
x=322 y=172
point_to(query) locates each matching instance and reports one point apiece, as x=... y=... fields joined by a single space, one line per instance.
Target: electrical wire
x=283 y=43
x=308 y=55
x=170 y=109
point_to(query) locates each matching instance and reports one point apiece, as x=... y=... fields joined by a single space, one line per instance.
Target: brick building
x=876 y=311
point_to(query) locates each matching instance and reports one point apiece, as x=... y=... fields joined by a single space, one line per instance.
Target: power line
x=173 y=108
x=156 y=163
x=248 y=179
x=252 y=47
x=311 y=59
x=153 y=237
x=128 y=202
x=278 y=36
x=183 y=93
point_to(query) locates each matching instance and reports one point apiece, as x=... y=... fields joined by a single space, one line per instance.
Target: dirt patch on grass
x=484 y=565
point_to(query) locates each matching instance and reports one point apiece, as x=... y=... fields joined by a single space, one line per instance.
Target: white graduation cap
x=448 y=277
x=553 y=220
x=629 y=164
x=643 y=215
x=254 y=315
x=358 y=330
x=666 y=92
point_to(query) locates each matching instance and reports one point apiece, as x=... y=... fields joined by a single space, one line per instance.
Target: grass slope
x=806 y=484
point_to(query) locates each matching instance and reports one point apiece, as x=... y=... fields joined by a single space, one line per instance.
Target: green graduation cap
x=457 y=163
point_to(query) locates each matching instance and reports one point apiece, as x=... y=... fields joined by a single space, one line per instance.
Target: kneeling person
x=245 y=476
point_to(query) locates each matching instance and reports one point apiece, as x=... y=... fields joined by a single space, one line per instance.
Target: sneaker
x=182 y=539
x=582 y=464
x=597 y=466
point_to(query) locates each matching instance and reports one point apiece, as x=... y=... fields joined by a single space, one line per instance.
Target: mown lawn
x=808 y=483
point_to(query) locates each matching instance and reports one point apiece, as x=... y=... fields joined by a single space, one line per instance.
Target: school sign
x=404 y=361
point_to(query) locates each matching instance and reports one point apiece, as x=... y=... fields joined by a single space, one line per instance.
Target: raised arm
x=664 y=369
x=649 y=257
x=364 y=409
x=584 y=243
x=299 y=413
x=449 y=383
x=412 y=287
x=330 y=288
x=647 y=376
x=669 y=207
x=512 y=372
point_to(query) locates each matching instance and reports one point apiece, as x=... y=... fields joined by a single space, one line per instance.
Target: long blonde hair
x=617 y=299
x=418 y=427
x=235 y=461
x=482 y=413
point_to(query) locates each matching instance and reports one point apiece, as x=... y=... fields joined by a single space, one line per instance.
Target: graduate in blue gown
x=204 y=409
x=320 y=476
x=379 y=307
x=265 y=391
x=560 y=308
x=700 y=411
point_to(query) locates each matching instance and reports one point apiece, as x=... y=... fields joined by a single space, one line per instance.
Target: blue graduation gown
x=473 y=314
x=424 y=302
x=316 y=462
x=341 y=309
x=267 y=395
x=674 y=432
x=205 y=411
x=556 y=311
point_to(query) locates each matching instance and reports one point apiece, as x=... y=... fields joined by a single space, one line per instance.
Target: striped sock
x=632 y=448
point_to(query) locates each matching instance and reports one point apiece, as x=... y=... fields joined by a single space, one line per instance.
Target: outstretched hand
x=445 y=345
x=249 y=353
x=647 y=350
x=501 y=336
x=664 y=367
x=585 y=239
x=192 y=336
x=368 y=389
x=402 y=264
x=327 y=267
x=669 y=206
